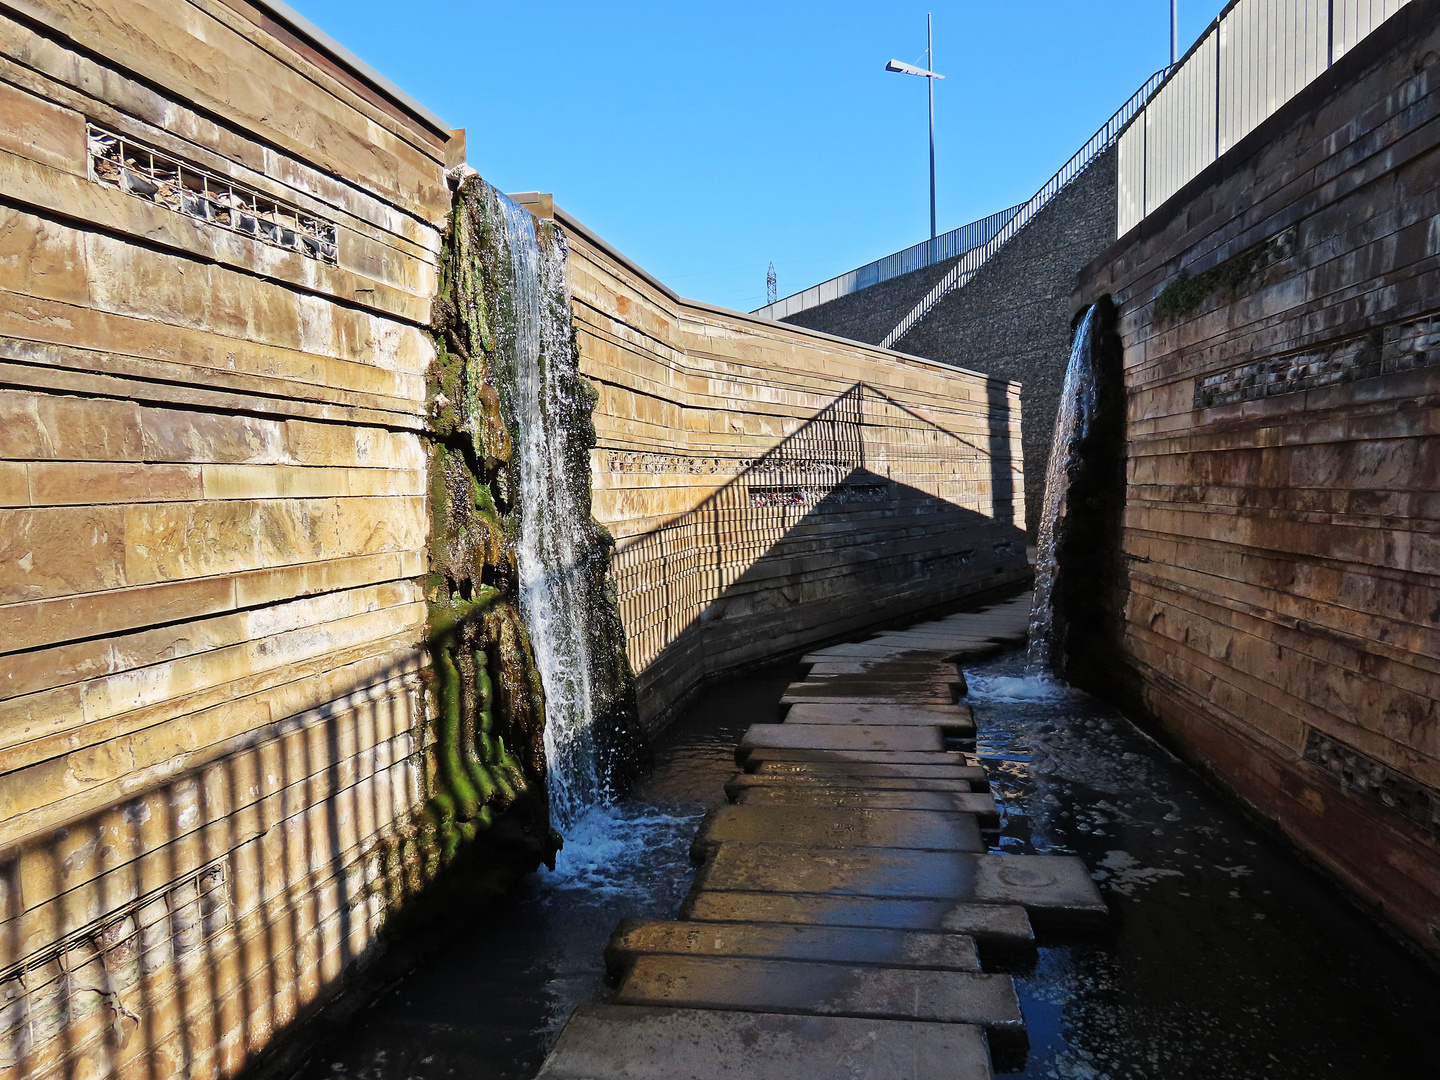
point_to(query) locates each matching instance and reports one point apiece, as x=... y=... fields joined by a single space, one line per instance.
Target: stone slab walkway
x=847 y=917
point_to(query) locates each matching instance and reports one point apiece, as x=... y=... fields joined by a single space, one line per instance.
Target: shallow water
x=1228 y=959
x=490 y=1005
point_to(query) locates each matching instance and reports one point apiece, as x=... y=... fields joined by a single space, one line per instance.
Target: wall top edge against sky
x=709 y=140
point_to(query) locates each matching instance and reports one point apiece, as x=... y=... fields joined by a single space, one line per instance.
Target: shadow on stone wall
x=816 y=539
x=181 y=929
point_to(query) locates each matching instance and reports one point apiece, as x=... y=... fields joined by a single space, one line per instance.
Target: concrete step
x=823 y=989
x=841 y=782
x=798 y=764
x=1054 y=890
x=812 y=827
x=934 y=669
x=634 y=938
x=1004 y=926
x=887 y=738
x=981 y=804
x=626 y=1042
x=876 y=649
x=881 y=715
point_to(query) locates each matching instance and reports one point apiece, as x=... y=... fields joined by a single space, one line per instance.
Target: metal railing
x=1255 y=56
x=973 y=260
x=916 y=257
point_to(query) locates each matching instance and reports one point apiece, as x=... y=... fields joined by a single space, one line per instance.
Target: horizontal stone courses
x=282 y=838
x=57 y=80
x=47 y=374
x=134 y=545
x=111 y=656
x=227 y=75
x=280 y=771
x=65 y=483
x=175 y=735
x=35 y=624
x=608 y=1042
x=393 y=282
x=1384 y=728
x=1404 y=653
x=634 y=938
x=1389 y=632
x=99 y=273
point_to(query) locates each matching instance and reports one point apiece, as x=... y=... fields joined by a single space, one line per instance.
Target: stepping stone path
x=847 y=919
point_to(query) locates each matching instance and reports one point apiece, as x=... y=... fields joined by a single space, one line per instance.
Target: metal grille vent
x=155 y=177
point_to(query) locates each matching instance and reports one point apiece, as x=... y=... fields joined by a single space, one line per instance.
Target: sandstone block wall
x=1011 y=319
x=770 y=487
x=1280 y=320
x=217 y=256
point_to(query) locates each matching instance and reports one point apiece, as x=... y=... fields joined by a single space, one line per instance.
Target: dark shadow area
x=1091 y=582
x=817 y=539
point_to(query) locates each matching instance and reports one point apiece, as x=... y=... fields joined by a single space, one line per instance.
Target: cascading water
x=555 y=533
x=1072 y=424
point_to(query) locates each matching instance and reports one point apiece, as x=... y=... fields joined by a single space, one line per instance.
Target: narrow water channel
x=1228 y=959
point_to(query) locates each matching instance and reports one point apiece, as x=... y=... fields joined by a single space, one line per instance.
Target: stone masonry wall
x=1280 y=321
x=770 y=487
x=214 y=304
x=1011 y=320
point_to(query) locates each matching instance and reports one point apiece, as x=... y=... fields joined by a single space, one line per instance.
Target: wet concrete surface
x=1226 y=958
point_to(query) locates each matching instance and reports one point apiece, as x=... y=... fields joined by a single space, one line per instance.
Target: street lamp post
x=930 y=76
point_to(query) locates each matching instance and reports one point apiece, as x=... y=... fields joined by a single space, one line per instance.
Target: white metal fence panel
x=1269 y=51
x=1132 y=178
x=1354 y=19
x=1180 y=126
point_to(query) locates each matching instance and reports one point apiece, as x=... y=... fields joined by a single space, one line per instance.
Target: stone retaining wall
x=212 y=522
x=770 y=487
x=1280 y=321
x=1011 y=319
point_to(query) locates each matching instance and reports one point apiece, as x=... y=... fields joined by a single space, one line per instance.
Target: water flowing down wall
x=522 y=557
x=1279 y=325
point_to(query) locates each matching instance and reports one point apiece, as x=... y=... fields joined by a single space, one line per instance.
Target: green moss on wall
x=1185 y=294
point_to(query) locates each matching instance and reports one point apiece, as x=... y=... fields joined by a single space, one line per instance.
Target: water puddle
x=1228 y=960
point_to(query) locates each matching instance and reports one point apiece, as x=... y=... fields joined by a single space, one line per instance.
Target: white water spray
x=554 y=522
x=1072 y=423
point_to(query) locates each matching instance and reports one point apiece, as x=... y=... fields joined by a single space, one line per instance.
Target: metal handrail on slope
x=973 y=260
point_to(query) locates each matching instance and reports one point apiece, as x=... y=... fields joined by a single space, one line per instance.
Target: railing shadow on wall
x=215 y=909
x=817 y=537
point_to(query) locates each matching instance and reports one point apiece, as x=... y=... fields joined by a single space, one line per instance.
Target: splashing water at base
x=1072 y=423
x=554 y=522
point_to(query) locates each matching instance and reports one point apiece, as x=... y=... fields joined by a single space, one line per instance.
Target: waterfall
x=1072 y=424
x=555 y=531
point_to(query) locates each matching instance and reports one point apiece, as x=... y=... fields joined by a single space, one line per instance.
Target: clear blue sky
x=705 y=140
